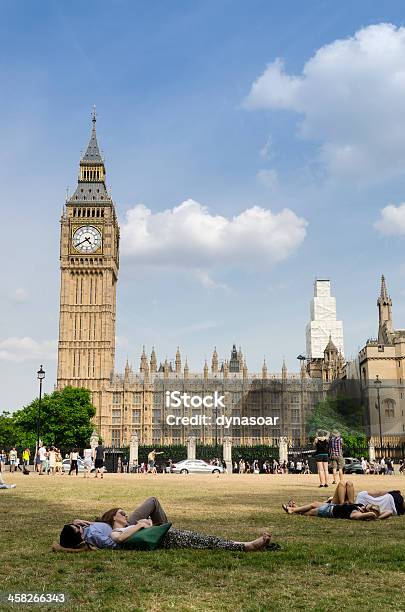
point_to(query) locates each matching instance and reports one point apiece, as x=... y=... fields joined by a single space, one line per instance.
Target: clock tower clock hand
x=87 y=239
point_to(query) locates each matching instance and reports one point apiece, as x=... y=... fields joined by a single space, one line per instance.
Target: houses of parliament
x=134 y=402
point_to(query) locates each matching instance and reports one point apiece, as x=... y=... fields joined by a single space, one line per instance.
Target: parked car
x=80 y=465
x=195 y=466
x=352 y=466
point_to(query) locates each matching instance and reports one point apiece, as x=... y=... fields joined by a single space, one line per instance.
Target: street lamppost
x=302 y=359
x=41 y=376
x=377 y=384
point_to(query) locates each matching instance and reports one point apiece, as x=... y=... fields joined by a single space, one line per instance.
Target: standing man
x=12 y=457
x=151 y=461
x=336 y=454
x=42 y=459
x=99 y=457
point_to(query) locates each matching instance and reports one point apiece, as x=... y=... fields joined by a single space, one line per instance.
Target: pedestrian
x=382 y=466
x=125 y=465
x=87 y=462
x=42 y=459
x=58 y=462
x=299 y=467
x=74 y=456
x=46 y=463
x=12 y=457
x=26 y=457
x=321 y=443
x=336 y=454
x=3 y=460
x=99 y=456
x=52 y=460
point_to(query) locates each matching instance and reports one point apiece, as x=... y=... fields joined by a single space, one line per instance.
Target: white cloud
x=351 y=97
x=188 y=236
x=392 y=221
x=267 y=150
x=208 y=282
x=268 y=177
x=26 y=349
x=20 y=295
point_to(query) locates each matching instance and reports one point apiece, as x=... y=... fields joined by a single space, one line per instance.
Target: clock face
x=87 y=239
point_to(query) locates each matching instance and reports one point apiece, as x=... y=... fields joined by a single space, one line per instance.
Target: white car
x=80 y=465
x=195 y=466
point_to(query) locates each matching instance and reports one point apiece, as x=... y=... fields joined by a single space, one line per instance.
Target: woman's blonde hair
x=373 y=508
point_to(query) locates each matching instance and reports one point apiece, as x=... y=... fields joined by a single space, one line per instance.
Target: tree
x=65 y=417
x=10 y=433
x=342 y=413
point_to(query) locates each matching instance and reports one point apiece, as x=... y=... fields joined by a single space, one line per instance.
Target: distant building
x=136 y=402
x=323 y=326
x=384 y=357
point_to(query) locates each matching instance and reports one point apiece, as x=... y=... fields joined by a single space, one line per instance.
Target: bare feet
x=259 y=544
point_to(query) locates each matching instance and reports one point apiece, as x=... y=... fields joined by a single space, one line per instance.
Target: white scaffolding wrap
x=323 y=322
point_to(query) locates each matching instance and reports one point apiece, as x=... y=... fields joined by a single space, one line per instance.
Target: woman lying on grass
x=341 y=505
x=115 y=527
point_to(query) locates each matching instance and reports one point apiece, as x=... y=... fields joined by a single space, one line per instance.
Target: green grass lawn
x=323 y=565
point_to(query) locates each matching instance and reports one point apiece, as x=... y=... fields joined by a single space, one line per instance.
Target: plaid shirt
x=335 y=446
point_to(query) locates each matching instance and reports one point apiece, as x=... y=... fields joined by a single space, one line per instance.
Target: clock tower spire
x=89 y=262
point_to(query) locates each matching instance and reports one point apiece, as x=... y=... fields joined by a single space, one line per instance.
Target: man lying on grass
x=114 y=528
x=341 y=505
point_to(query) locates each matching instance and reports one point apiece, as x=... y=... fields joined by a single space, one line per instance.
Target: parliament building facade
x=136 y=401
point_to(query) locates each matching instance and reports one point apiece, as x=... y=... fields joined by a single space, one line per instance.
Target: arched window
x=389 y=408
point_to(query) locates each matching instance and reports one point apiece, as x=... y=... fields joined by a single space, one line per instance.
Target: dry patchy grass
x=323 y=564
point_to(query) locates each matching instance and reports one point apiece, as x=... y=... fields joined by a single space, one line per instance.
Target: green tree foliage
x=65 y=417
x=11 y=434
x=341 y=413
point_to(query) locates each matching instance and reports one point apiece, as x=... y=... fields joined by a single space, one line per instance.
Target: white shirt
x=42 y=453
x=87 y=453
x=384 y=502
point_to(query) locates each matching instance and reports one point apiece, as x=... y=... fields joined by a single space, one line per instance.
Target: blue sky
x=180 y=120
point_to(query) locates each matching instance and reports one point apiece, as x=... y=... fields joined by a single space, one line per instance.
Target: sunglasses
x=122 y=513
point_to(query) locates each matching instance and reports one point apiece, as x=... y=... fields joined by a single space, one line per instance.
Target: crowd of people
x=271 y=466
x=48 y=460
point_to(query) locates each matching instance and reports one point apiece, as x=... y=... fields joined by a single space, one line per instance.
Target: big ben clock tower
x=89 y=261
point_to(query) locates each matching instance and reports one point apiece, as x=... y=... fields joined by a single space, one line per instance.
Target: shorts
x=323 y=458
x=338 y=463
x=325 y=511
x=99 y=463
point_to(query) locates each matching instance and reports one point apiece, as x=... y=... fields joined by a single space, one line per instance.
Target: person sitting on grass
x=341 y=505
x=114 y=527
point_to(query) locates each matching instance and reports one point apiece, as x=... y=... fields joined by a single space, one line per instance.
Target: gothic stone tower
x=89 y=261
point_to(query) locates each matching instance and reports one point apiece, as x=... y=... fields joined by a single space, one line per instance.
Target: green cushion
x=147 y=538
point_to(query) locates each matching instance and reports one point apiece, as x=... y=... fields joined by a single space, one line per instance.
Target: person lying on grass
x=341 y=505
x=115 y=527
x=390 y=503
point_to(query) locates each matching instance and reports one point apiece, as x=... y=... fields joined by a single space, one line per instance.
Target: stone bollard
x=191 y=444
x=133 y=450
x=282 y=450
x=227 y=453
x=371 y=451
